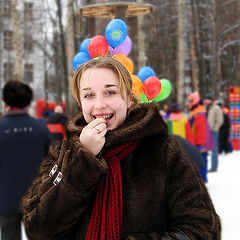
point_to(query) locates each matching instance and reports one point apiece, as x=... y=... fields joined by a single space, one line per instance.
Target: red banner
x=45 y=109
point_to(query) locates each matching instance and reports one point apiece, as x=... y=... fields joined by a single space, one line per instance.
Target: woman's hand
x=92 y=136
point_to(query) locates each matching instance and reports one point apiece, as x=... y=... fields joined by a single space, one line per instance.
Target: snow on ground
x=223 y=187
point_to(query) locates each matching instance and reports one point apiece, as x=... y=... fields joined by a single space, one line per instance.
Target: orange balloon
x=125 y=61
x=130 y=65
x=137 y=86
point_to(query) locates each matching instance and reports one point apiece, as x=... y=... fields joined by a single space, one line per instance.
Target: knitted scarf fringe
x=106 y=218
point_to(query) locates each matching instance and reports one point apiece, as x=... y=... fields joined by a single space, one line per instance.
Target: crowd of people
x=116 y=170
x=206 y=125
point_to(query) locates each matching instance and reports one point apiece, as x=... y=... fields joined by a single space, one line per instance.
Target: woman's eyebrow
x=86 y=89
x=111 y=85
x=106 y=86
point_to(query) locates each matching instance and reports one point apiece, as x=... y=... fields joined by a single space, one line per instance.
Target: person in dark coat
x=24 y=142
x=56 y=123
x=193 y=152
x=119 y=174
x=224 y=130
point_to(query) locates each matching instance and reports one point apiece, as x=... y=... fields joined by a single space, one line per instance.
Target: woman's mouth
x=106 y=117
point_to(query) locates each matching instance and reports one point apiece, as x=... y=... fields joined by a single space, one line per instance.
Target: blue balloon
x=116 y=32
x=84 y=46
x=145 y=72
x=79 y=59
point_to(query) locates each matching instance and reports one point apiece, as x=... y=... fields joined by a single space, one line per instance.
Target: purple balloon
x=124 y=48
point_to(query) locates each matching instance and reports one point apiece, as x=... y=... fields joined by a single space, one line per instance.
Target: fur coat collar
x=142 y=121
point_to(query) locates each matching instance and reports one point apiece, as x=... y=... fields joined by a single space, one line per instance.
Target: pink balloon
x=124 y=48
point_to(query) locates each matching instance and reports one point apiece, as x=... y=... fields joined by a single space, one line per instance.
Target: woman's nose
x=99 y=102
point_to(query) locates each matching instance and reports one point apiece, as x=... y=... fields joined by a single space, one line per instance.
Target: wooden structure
x=113 y=10
x=110 y=10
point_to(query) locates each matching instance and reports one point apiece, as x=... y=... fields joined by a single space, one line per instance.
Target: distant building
x=31 y=36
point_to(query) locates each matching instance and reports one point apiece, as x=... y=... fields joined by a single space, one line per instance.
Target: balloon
x=124 y=48
x=151 y=87
x=145 y=72
x=165 y=91
x=84 y=46
x=129 y=65
x=79 y=58
x=143 y=98
x=137 y=86
x=116 y=32
x=98 y=47
x=125 y=61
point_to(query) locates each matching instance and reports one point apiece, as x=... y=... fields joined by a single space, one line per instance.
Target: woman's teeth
x=104 y=117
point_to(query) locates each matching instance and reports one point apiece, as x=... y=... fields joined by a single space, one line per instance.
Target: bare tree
x=71 y=52
x=181 y=53
x=63 y=49
x=141 y=42
x=216 y=62
x=17 y=40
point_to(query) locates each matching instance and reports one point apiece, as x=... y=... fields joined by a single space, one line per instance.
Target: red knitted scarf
x=106 y=218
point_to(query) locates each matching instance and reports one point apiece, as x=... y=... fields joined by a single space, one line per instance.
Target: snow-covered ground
x=224 y=189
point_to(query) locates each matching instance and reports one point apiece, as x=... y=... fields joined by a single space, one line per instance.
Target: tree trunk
x=199 y=41
x=17 y=42
x=216 y=62
x=46 y=87
x=71 y=53
x=64 y=57
x=181 y=53
x=193 y=64
x=141 y=42
x=57 y=63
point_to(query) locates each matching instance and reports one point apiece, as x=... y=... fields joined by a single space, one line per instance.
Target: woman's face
x=100 y=97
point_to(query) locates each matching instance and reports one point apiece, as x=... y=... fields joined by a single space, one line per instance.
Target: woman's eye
x=110 y=92
x=88 y=95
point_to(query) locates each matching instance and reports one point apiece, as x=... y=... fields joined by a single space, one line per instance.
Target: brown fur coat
x=162 y=189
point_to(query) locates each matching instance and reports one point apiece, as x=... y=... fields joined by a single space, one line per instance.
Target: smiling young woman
x=119 y=174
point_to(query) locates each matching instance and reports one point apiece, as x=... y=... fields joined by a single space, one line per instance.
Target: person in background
x=197 y=129
x=177 y=125
x=230 y=147
x=24 y=142
x=224 y=130
x=176 y=120
x=119 y=174
x=215 y=120
x=56 y=123
x=165 y=111
x=193 y=152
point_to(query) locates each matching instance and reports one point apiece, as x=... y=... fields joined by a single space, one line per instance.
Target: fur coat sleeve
x=53 y=196
x=186 y=205
x=192 y=211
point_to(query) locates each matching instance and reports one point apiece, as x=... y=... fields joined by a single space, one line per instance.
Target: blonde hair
x=125 y=80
